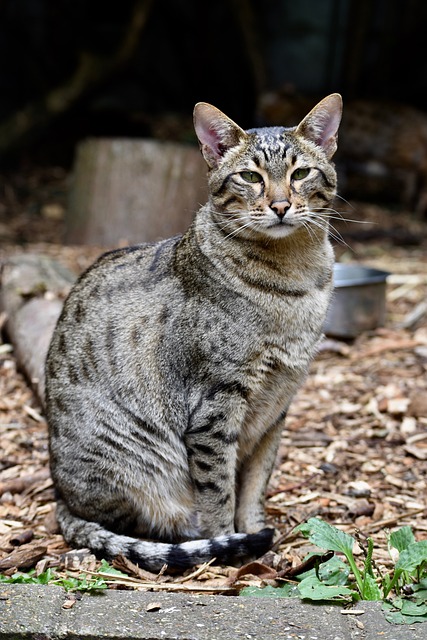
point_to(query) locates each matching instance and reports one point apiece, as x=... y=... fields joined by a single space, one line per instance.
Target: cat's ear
x=216 y=132
x=321 y=124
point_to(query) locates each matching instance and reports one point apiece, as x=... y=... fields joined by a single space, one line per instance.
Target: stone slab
x=35 y=612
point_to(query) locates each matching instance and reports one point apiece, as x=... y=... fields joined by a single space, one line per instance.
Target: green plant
x=403 y=591
x=330 y=538
x=83 y=583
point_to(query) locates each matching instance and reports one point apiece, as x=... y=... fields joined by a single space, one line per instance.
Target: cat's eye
x=251 y=176
x=300 y=173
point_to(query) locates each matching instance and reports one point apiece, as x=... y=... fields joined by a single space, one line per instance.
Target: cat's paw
x=250 y=523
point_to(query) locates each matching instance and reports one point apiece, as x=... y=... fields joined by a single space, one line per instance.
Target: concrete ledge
x=34 y=612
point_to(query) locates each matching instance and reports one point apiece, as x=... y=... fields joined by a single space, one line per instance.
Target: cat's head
x=270 y=181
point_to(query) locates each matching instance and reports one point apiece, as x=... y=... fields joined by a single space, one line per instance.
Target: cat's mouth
x=284 y=221
x=281 y=228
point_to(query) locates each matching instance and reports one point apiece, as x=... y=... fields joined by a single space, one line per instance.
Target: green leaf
x=326 y=536
x=29 y=577
x=46 y=577
x=95 y=585
x=412 y=557
x=397 y=617
x=107 y=568
x=410 y=608
x=332 y=572
x=17 y=578
x=419 y=593
x=313 y=589
x=371 y=590
x=405 y=611
x=69 y=584
x=402 y=538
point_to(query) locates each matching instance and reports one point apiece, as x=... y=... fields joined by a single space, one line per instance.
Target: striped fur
x=173 y=364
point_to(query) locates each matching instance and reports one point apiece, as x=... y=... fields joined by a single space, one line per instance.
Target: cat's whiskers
x=309 y=219
x=247 y=226
x=224 y=219
x=333 y=214
x=346 y=201
x=308 y=223
x=307 y=227
x=333 y=232
x=231 y=217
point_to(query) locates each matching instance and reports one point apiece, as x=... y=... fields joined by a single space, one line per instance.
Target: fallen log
x=32 y=291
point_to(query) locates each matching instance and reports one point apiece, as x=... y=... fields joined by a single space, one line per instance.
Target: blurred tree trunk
x=128 y=191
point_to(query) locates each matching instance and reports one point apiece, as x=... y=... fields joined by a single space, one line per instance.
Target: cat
x=173 y=364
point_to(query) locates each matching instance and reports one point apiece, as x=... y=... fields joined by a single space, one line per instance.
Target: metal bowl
x=359 y=300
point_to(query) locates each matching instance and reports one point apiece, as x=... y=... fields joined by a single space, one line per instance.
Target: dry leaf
x=254 y=569
x=124 y=564
x=69 y=602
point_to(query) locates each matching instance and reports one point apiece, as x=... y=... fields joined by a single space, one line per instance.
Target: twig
x=352 y=612
x=156 y=586
x=295 y=485
x=414 y=316
x=195 y=573
x=387 y=345
x=375 y=526
x=401 y=291
x=405 y=278
x=35 y=415
x=18 y=485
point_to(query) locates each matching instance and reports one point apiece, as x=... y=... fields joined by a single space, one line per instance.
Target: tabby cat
x=173 y=364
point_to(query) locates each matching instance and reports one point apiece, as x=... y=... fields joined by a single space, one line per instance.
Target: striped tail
x=152 y=556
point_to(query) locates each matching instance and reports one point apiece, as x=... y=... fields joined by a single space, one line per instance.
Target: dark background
x=137 y=67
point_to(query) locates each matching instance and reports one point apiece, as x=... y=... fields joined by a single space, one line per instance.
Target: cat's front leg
x=254 y=476
x=212 y=455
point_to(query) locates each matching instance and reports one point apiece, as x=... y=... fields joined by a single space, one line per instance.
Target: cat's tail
x=154 y=555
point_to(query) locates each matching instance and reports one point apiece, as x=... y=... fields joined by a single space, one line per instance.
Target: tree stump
x=130 y=191
x=32 y=291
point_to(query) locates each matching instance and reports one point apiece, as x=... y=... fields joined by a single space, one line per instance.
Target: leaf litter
x=353 y=451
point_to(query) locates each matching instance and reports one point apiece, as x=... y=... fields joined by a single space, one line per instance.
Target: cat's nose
x=280 y=208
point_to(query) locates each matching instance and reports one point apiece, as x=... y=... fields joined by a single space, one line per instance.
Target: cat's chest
x=279 y=365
